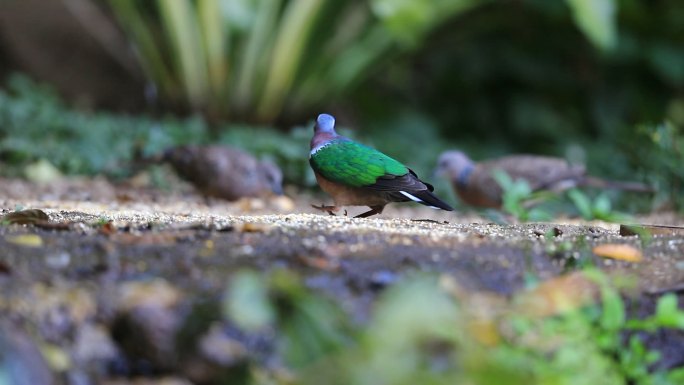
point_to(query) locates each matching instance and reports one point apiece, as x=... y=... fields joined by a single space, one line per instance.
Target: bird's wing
x=540 y=172
x=353 y=164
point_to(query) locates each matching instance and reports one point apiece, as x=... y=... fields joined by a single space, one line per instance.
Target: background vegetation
x=599 y=82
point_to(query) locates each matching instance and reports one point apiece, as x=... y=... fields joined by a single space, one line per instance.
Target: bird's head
x=452 y=164
x=325 y=124
x=182 y=158
x=272 y=176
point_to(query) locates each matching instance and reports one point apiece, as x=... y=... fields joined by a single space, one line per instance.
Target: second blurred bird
x=225 y=172
x=475 y=184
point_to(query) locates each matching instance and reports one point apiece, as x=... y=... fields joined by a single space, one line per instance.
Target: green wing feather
x=354 y=164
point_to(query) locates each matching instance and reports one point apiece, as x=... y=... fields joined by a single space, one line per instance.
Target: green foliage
x=600 y=208
x=661 y=149
x=596 y=18
x=37 y=125
x=525 y=205
x=495 y=78
x=518 y=198
x=255 y=58
x=418 y=333
x=310 y=325
x=247 y=303
x=410 y=20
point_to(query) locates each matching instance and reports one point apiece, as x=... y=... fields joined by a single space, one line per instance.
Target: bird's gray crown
x=455 y=164
x=325 y=123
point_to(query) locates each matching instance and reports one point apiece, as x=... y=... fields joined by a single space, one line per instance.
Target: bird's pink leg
x=329 y=209
x=374 y=210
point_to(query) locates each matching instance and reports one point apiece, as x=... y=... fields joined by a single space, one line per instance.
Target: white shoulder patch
x=317 y=148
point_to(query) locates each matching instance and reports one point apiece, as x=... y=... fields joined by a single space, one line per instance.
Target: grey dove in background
x=225 y=172
x=475 y=185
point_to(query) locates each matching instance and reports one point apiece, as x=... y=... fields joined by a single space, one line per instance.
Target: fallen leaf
x=619 y=251
x=155 y=293
x=320 y=263
x=283 y=203
x=25 y=217
x=29 y=240
x=485 y=331
x=629 y=230
x=108 y=228
x=57 y=359
x=558 y=295
x=250 y=204
x=250 y=227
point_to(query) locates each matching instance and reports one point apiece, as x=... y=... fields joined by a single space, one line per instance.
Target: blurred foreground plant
x=431 y=331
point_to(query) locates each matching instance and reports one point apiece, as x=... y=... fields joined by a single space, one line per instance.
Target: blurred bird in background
x=475 y=184
x=225 y=172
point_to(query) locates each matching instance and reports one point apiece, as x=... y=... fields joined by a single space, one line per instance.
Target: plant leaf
x=597 y=19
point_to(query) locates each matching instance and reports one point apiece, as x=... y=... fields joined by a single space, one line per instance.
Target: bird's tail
x=618 y=185
x=427 y=198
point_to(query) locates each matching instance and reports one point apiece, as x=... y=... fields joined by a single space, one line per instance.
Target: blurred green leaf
x=311 y=326
x=668 y=313
x=181 y=25
x=613 y=312
x=602 y=205
x=247 y=302
x=582 y=203
x=409 y=20
x=518 y=198
x=597 y=19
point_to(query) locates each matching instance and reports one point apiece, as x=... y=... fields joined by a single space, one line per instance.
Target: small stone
x=58 y=260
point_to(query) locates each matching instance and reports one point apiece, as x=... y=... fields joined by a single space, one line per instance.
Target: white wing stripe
x=411 y=197
x=416 y=199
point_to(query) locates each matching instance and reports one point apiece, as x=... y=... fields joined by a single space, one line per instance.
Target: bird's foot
x=329 y=209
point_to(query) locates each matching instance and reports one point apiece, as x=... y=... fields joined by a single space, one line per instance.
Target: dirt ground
x=101 y=286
